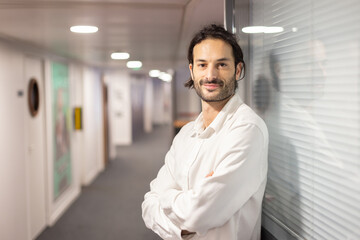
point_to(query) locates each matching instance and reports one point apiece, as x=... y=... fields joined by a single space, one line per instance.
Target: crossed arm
x=172 y=212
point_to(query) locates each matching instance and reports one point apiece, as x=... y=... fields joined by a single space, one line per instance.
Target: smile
x=211 y=86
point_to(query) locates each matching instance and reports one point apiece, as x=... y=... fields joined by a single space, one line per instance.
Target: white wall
x=85 y=91
x=119 y=107
x=92 y=126
x=35 y=160
x=166 y=86
x=13 y=217
x=188 y=104
x=77 y=136
x=162 y=102
x=158 y=110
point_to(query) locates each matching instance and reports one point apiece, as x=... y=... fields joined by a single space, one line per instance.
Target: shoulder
x=188 y=127
x=245 y=125
x=185 y=131
x=244 y=115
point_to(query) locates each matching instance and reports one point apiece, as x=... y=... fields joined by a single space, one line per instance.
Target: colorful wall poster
x=61 y=126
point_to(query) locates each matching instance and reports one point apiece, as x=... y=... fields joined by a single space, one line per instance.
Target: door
x=35 y=126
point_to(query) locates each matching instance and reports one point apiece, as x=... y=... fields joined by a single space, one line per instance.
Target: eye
x=222 y=65
x=201 y=65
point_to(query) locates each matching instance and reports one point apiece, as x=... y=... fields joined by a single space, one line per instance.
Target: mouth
x=211 y=85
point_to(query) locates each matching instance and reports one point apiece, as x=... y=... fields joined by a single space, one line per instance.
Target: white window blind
x=306 y=86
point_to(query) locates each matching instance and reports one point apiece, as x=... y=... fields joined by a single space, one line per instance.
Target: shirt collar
x=226 y=112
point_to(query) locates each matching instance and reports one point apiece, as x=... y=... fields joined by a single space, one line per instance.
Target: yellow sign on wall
x=77 y=118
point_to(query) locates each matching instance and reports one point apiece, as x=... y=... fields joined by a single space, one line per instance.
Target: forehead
x=213 y=48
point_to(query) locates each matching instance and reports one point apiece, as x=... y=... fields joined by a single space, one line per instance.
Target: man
x=212 y=183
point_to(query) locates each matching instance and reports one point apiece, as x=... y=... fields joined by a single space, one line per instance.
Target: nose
x=211 y=72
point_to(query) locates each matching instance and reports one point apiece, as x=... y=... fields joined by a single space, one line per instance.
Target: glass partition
x=304 y=82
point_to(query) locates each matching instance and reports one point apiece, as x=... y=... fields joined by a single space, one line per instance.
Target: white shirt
x=226 y=205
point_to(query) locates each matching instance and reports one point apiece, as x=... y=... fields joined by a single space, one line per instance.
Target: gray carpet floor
x=110 y=208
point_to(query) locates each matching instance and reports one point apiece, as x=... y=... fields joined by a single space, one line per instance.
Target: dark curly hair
x=215 y=31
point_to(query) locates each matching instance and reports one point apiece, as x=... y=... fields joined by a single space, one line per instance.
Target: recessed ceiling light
x=134 y=64
x=120 y=55
x=253 y=29
x=273 y=29
x=165 y=77
x=262 y=29
x=154 y=73
x=84 y=29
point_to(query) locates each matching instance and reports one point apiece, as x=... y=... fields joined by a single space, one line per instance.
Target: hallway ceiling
x=156 y=32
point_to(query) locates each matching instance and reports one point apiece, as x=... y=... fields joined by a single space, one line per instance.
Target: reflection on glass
x=306 y=87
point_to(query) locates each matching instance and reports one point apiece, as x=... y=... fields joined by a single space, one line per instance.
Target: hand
x=185 y=232
x=210 y=174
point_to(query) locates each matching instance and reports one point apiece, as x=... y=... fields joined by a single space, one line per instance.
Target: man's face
x=213 y=70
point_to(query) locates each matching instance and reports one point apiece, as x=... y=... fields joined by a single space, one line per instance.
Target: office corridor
x=110 y=208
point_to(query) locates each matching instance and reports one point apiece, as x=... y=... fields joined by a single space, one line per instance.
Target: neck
x=211 y=109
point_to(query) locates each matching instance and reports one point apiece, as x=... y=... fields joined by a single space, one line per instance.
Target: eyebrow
x=218 y=60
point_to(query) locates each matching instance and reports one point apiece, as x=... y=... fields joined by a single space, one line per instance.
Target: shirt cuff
x=167 y=200
x=176 y=230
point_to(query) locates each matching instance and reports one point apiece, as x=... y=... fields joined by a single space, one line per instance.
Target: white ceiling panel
x=153 y=31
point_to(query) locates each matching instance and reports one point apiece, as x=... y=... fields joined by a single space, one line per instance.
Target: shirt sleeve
x=152 y=213
x=213 y=201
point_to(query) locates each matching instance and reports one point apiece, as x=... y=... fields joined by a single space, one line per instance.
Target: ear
x=191 y=71
x=238 y=70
